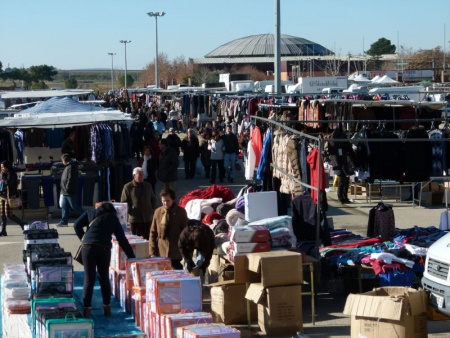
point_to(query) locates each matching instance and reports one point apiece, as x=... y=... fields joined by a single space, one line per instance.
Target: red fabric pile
x=210 y=192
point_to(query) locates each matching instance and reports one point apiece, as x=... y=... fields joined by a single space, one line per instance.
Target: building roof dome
x=263 y=45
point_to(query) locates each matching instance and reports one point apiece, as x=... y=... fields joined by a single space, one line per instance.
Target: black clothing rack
x=319 y=142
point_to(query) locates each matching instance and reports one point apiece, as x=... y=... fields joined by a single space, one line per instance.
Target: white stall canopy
x=61 y=112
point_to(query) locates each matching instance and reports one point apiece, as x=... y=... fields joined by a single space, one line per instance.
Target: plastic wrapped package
x=16 y=306
x=22 y=292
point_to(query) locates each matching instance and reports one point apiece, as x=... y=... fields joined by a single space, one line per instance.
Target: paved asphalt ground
x=329 y=320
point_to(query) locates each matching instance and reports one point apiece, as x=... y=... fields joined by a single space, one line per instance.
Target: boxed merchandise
x=174 y=293
x=170 y=322
x=49 y=303
x=129 y=272
x=208 y=331
x=118 y=257
x=260 y=205
x=35 y=237
x=121 y=209
x=139 y=299
x=238 y=248
x=114 y=279
x=277 y=267
x=228 y=303
x=279 y=308
x=44 y=315
x=249 y=233
x=70 y=327
x=140 y=268
x=54 y=279
x=388 y=312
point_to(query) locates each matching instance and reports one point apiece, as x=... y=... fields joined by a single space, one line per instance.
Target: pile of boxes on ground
x=267 y=287
x=49 y=274
x=164 y=302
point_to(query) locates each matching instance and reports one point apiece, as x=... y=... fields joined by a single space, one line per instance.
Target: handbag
x=78 y=257
x=15 y=202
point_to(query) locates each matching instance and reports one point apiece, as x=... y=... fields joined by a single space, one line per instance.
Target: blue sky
x=78 y=34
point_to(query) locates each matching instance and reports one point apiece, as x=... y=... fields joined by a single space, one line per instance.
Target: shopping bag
x=199 y=167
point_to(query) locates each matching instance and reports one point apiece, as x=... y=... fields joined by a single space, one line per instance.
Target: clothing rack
x=319 y=142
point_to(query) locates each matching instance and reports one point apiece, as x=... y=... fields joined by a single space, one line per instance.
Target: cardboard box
x=279 y=308
x=260 y=205
x=228 y=303
x=249 y=233
x=277 y=267
x=429 y=198
x=437 y=198
x=241 y=273
x=388 y=312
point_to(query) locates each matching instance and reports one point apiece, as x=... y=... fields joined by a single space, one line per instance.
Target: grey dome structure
x=262 y=45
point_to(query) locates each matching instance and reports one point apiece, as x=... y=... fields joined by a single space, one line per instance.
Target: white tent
x=61 y=112
x=376 y=78
x=43 y=93
x=386 y=80
x=61 y=105
x=361 y=79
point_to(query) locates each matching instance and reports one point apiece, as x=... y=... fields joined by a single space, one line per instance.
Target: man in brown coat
x=167 y=225
x=141 y=200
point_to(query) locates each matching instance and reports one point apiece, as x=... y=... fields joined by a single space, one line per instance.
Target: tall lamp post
x=155 y=15
x=112 y=70
x=125 y=43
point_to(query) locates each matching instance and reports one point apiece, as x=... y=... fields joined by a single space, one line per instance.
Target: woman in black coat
x=9 y=184
x=101 y=224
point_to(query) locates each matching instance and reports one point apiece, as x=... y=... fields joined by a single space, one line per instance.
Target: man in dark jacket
x=141 y=201
x=68 y=199
x=168 y=166
x=196 y=245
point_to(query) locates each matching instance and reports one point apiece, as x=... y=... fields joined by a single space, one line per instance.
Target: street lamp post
x=125 y=43
x=155 y=15
x=112 y=70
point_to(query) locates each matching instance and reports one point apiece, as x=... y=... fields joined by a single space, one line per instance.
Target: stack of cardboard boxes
x=271 y=280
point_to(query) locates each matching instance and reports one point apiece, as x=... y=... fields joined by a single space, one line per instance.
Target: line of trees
x=32 y=78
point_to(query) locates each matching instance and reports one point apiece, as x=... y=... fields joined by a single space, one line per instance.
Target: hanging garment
x=418 y=157
x=304 y=220
x=381 y=221
x=316 y=164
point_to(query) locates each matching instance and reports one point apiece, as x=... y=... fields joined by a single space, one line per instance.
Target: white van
x=436 y=276
x=333 y=90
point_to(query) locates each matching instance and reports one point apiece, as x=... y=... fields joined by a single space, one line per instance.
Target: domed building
x=299 y=57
